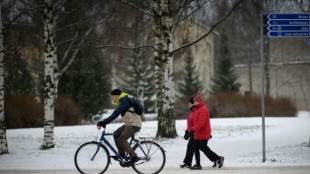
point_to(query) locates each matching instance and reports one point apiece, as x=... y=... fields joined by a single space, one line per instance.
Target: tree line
x=72 y=46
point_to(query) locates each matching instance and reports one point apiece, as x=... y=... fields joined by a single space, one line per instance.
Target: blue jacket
x=123 y=107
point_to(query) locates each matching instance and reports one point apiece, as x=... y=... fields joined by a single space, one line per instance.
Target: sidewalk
x=225 y=170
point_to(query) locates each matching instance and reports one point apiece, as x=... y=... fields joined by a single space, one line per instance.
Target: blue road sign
x=288 y=16
x=288 y=34
x=308 y=42
x=288 y=22
x=288 y=25
x=289 y=28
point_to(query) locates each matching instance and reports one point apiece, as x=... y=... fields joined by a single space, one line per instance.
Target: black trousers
x=203 y=146
x=190 y=151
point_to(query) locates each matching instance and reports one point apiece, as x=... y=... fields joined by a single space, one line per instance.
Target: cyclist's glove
x=102 y=123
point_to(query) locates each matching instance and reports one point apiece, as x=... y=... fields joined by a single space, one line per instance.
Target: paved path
x=226 y=170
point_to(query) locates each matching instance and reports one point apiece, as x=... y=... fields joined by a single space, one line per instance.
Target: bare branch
x=124 y=47
x=186 y=16
x=37 y=36
x=25 y=11
x=70 y=47
x=212 y=28
x=181 y=8
x=75 y=52
x=134 y=6
x=299 y=4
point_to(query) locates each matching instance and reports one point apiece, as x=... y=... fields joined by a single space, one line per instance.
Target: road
x=230 y=170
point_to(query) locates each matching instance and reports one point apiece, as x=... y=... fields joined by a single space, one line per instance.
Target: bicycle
x=94 y=157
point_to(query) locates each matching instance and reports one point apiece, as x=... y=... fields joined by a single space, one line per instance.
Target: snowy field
x=239 y=140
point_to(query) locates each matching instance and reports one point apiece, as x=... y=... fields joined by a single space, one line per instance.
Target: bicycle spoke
x=87 y=163
x=153 y=158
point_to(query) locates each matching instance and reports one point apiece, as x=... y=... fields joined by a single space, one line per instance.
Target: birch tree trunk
x=163 y=55
x=3 y=141
x=49 y=87
x=56 y=67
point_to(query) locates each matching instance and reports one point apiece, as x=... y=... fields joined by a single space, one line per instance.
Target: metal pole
x=277 y=92
x=263 y=82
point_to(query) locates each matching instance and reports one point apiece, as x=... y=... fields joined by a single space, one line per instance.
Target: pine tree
x=191 y=84
x=137 y=73
x=87 y=81
x=225 y=77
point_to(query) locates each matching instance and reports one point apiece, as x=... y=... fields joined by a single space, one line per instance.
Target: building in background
x=289 y=71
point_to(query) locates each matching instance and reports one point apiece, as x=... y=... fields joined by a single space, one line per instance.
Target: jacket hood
x=123 y=94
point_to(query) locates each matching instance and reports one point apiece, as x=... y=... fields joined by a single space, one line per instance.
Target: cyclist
x=133 y=124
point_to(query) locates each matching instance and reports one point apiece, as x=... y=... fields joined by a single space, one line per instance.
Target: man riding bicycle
x=133 y=124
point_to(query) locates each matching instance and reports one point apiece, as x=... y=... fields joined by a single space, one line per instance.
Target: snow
x=239 y=140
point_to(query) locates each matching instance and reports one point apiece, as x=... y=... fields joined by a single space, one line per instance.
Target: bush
x=223 y=104
x=236 y=105
x=23 y=112
x=26 y=112
x=67 y=112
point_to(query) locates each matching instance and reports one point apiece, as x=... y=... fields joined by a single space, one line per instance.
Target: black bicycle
x=94 y=157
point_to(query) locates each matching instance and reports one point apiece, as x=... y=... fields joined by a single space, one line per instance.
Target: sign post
x=280 y=25
x=262 y=85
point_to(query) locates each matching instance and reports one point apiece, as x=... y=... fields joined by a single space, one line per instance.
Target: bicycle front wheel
x=152 y=156
x=88 y=162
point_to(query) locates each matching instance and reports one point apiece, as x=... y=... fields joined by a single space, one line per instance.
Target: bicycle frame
x=103 y=139
x=151 y=156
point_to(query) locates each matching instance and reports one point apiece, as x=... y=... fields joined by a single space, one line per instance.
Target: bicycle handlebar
x=99 y=127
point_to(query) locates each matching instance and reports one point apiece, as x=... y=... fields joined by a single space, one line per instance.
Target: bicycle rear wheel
x=84 y=162
x=152 y=156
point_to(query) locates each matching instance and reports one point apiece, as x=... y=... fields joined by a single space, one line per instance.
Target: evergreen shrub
x=26 y=112
x=221 y=104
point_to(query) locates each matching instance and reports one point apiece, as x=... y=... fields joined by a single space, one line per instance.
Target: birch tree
x=163 y=57
x=3 y=140
x=166 y=15
x=49 y=86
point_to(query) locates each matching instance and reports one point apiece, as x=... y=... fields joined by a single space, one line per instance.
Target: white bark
x=49 y=87
x=3 y=140
x=164 y=68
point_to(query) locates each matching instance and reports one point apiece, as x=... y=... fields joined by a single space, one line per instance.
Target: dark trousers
x=190 y=151
x=203 y=146
x=123 y=134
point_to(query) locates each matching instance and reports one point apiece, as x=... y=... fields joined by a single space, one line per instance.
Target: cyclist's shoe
x=133 y=160
x=196 y=167
x=122 y=155
x=114 y=157
x=185 y=166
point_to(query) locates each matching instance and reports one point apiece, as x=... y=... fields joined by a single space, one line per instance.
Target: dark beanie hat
x=116 y=92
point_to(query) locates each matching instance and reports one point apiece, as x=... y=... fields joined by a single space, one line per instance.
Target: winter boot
x=196 y=167
x=221 y=161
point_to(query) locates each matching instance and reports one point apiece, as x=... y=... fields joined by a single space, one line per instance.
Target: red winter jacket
x=190 y=120
x=202 y=125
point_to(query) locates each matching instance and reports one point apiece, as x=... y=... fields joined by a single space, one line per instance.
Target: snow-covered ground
x=239 y=140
